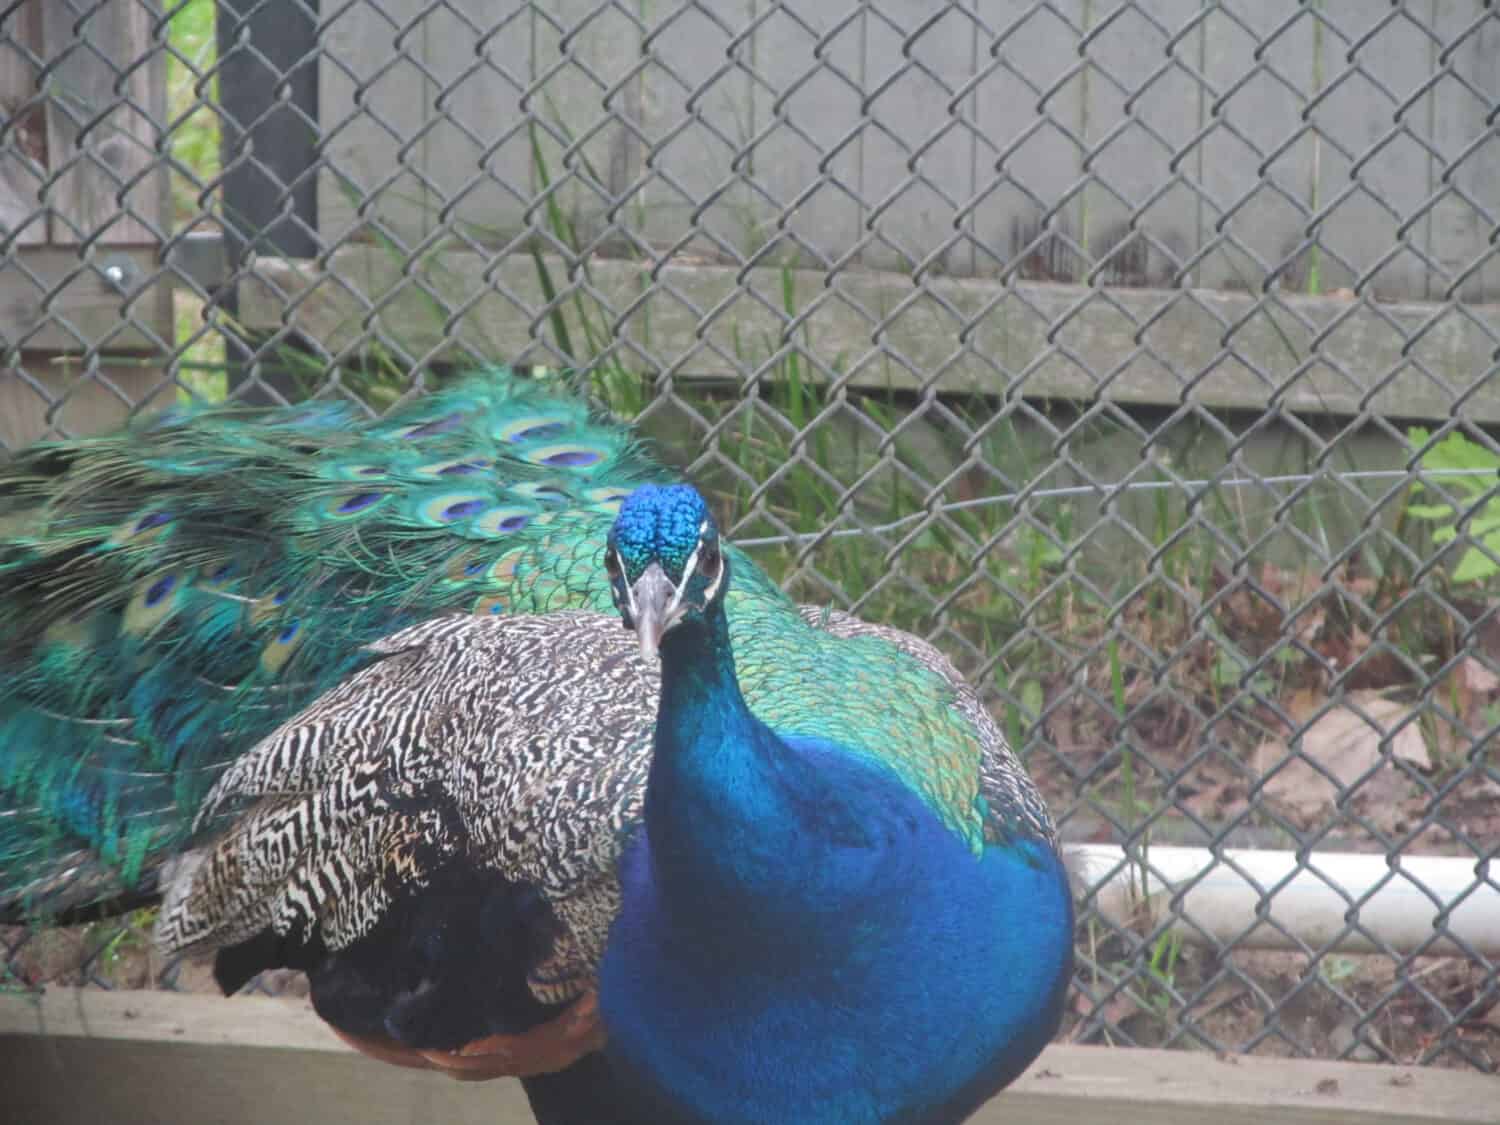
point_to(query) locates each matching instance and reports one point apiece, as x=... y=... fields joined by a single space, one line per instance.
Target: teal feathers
x=175 y=590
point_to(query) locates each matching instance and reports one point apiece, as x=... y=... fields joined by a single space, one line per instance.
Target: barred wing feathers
x=521 y=745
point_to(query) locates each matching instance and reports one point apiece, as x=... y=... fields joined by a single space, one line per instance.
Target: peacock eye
x=612 y=564
x=709 y=559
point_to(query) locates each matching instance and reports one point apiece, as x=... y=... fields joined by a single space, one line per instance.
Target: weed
x=193 y=137
x=1161 y=976
x=1474 y=512
x=1336 y=970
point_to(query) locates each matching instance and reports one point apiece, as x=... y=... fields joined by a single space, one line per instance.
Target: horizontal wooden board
x=152 y=1058
x=51 y=301
x=1311 y=355
x=54 y=398
x=1227 y=141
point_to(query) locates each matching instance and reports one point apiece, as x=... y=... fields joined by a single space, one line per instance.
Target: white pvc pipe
x=1222 y=897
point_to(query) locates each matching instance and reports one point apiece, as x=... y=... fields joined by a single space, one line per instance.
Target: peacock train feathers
x=357 y=696
x=175 y=591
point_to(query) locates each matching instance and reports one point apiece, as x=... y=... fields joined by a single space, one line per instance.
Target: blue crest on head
x=660 y=523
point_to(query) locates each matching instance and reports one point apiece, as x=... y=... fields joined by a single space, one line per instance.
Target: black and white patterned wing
x=519 y=744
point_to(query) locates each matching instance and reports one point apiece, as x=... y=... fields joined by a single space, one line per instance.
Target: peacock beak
x=656 y=608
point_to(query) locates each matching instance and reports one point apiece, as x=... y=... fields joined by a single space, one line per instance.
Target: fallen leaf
x=1114 y=1011
x=1477 y=678
x=1308 y=625
x=1345 y=744
x=1293 y=588
x=1205 y=799
x=1302 y=704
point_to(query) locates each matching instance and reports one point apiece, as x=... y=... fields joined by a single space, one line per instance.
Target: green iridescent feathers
x=173 y=591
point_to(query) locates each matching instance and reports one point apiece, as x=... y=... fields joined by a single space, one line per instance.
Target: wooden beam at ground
x=133 y=1058
x=1149 y=347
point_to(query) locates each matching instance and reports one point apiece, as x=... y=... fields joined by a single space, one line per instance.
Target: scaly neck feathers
x=749 y=829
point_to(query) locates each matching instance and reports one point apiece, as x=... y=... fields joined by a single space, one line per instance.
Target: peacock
x=354 y=697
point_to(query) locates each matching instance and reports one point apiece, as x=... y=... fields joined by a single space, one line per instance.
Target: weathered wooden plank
x=73 y=319
x=806 y=121
x=697 y=117
x=1139 y=219
x=475 y=146
x=373 y=101
x=586 y=65
x=53 y=309
x=50 y=301
x=103 y=124
x=1261 y=83
x=56 y=396
x=1208 y=347
x=917 y=151
x=1460 y=235
x=1029 y=106
x=78 y=1058
x=420 y=134
x=1384 y=179
x=773 y=128
x=23 y=152
x=90 y=1082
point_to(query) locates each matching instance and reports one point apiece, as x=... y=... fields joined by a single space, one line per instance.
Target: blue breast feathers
x=842 y=957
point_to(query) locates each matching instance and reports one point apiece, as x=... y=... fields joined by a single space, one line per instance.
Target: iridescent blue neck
x=701 y=703
x=801 y=938
x=735 y=812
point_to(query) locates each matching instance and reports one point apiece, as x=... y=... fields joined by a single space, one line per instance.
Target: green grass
x=194 y=142
x=191 y=93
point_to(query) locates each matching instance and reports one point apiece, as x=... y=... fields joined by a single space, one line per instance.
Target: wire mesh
x=1140 y=355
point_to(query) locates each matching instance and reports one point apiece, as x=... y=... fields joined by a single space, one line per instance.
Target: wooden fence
x=923 y=135
x=83 y=206
x=149 y=1058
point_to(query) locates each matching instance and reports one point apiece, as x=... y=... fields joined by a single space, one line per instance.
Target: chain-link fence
x=1139 y=354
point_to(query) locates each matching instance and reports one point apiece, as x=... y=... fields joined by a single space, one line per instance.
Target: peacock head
x=665 y=564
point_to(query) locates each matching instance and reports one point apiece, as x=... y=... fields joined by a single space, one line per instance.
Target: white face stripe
x=692 y=565
x=687 y=573
x=629 y=589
